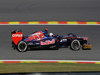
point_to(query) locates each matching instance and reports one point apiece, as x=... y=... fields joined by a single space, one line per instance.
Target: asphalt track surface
x=50 y=10
x=6 y=51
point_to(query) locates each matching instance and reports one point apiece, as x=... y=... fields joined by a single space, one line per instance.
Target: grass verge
x=47 y=67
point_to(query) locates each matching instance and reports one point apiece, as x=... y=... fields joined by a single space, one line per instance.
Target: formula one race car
x=43 y=39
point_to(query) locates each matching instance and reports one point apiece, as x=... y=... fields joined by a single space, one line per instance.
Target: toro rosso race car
x=43 y=39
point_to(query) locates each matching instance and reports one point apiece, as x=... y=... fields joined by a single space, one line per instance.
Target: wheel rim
x=22 y=46
x=75 y=45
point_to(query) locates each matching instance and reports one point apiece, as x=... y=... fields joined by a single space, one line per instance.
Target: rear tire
x=22 y=46
x=75 y=45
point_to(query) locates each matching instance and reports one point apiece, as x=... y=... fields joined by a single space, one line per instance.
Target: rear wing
x=16 y=36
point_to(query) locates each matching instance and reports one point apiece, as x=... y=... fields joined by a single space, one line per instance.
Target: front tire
x=22 y=46
x=75 y=45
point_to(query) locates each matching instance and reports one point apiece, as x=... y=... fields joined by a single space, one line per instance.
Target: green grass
x=47 y=67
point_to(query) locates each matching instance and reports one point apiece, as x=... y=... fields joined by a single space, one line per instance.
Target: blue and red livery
x=42 y=39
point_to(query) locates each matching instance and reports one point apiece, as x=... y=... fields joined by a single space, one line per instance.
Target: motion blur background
x=50 y=10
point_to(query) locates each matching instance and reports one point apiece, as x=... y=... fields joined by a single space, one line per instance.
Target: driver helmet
x=50 y=34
